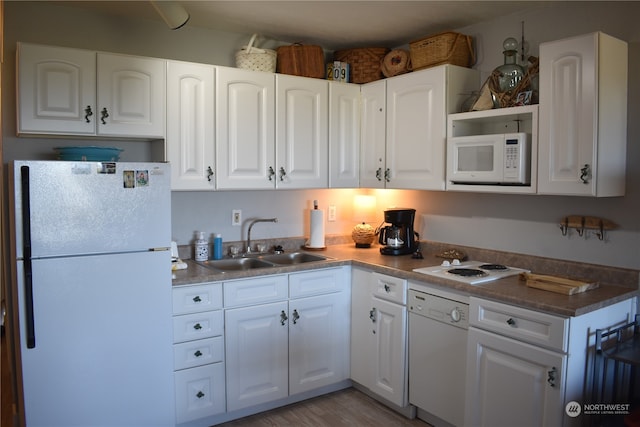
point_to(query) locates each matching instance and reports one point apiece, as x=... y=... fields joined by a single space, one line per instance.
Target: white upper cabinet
x=131 y=96
x=416 y=106
x=190 y=121
x=583 y=116
x=302 y=147
x=57 y=90
x=344 y=135
x=373 y=134
x=245 y=129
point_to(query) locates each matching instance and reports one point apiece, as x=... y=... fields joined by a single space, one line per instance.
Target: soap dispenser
x=201 y=248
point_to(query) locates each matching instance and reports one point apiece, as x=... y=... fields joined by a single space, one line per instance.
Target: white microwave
x=501 y=159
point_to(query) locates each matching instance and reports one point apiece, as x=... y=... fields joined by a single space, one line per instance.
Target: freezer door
x=91 y=207
x=103 y=342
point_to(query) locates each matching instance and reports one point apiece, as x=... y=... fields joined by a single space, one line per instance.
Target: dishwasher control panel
x=434 y=307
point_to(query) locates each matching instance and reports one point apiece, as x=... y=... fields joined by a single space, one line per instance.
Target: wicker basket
x=301 y=60
x=395 y=63
x=365 y=63
x=444 y=48
x=252 y=58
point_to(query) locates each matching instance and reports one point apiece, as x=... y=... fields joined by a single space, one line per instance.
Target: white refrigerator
x=91 y=293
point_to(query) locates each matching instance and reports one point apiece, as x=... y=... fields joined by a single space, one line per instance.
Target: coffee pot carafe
x=399 y=237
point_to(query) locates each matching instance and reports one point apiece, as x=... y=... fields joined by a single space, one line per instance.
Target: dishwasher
x=438 y=323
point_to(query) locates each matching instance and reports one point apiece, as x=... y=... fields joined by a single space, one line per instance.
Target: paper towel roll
x=316 y=238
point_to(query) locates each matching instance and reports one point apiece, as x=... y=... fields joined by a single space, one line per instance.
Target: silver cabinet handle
x=282 y=174
x=296 y=316
x=551 y=377
x=283 y=317
x=209 y=173
x=88 y=113
x=585 y=172
x=271 y=173
x=103 y=115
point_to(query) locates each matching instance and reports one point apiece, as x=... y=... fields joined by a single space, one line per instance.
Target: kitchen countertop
x=615 y=284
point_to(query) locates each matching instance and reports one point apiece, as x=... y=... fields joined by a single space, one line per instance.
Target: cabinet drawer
x=317 y=282
x=200 y=392
x=389 y=288
x=194 y=299
x=258 y=290
x=197 y=353
x=189 y=327
x=520 y=323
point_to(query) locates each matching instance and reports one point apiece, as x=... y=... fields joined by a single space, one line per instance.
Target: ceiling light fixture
x=172 y=13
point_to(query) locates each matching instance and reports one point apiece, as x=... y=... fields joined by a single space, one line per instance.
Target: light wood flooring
x=348 y=407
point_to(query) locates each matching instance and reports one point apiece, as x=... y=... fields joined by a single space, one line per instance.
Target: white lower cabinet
x=379 y=335
x=198 y=329
x=524 y=366
x=295 y=342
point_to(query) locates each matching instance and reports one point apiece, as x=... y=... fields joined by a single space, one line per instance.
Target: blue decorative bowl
x=89 y=154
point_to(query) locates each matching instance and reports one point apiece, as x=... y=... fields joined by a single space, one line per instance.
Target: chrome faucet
x=249 y=231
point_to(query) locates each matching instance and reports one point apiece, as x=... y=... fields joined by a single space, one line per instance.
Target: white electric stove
x=470 y=272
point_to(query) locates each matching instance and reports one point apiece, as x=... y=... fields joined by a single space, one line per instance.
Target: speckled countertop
x=616 y=284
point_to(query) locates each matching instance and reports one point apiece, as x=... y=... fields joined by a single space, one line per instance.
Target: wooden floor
x=347 y=407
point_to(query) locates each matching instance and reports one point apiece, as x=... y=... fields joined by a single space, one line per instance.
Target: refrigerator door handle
x=26 y=251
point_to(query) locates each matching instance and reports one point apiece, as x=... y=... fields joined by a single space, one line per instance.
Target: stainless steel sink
x=237 y=264
x=262 y=261
x=293 y=258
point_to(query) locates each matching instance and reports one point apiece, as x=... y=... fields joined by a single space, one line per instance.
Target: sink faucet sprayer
x=249 y=231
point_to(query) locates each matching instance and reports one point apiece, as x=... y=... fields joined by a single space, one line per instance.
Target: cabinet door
x=416 y=130
x=583 y=110
x=56 y=90
x=512 y=383
x=245 y=129
x=199 y=392
x=374 y=128
x=131 y=96
x=318 y=341
x=362 y=328
x=302 y=150
x=190 y=118
x=344 y=135
x=256 y=354
x=390 y=351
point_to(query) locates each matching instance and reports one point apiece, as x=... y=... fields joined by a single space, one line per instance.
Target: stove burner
x=467 y=272
x=493 y=267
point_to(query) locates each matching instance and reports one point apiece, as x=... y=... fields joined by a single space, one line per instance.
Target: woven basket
x=395 y=63
x=252 y=58
x=444 y=48
x=365 y=62
x=301 y=60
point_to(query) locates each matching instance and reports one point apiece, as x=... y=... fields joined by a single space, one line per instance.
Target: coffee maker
x=399 y=237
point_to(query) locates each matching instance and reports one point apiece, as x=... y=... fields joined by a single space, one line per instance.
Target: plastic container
x=217 y=246
x=201 y=248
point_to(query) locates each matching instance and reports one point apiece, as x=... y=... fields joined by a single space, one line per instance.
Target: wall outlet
x=331 y=216
x=236 y=217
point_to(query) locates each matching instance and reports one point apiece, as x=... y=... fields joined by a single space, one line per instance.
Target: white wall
x=524 y=224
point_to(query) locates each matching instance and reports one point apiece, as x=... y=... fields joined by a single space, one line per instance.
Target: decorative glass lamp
x=363 y=234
